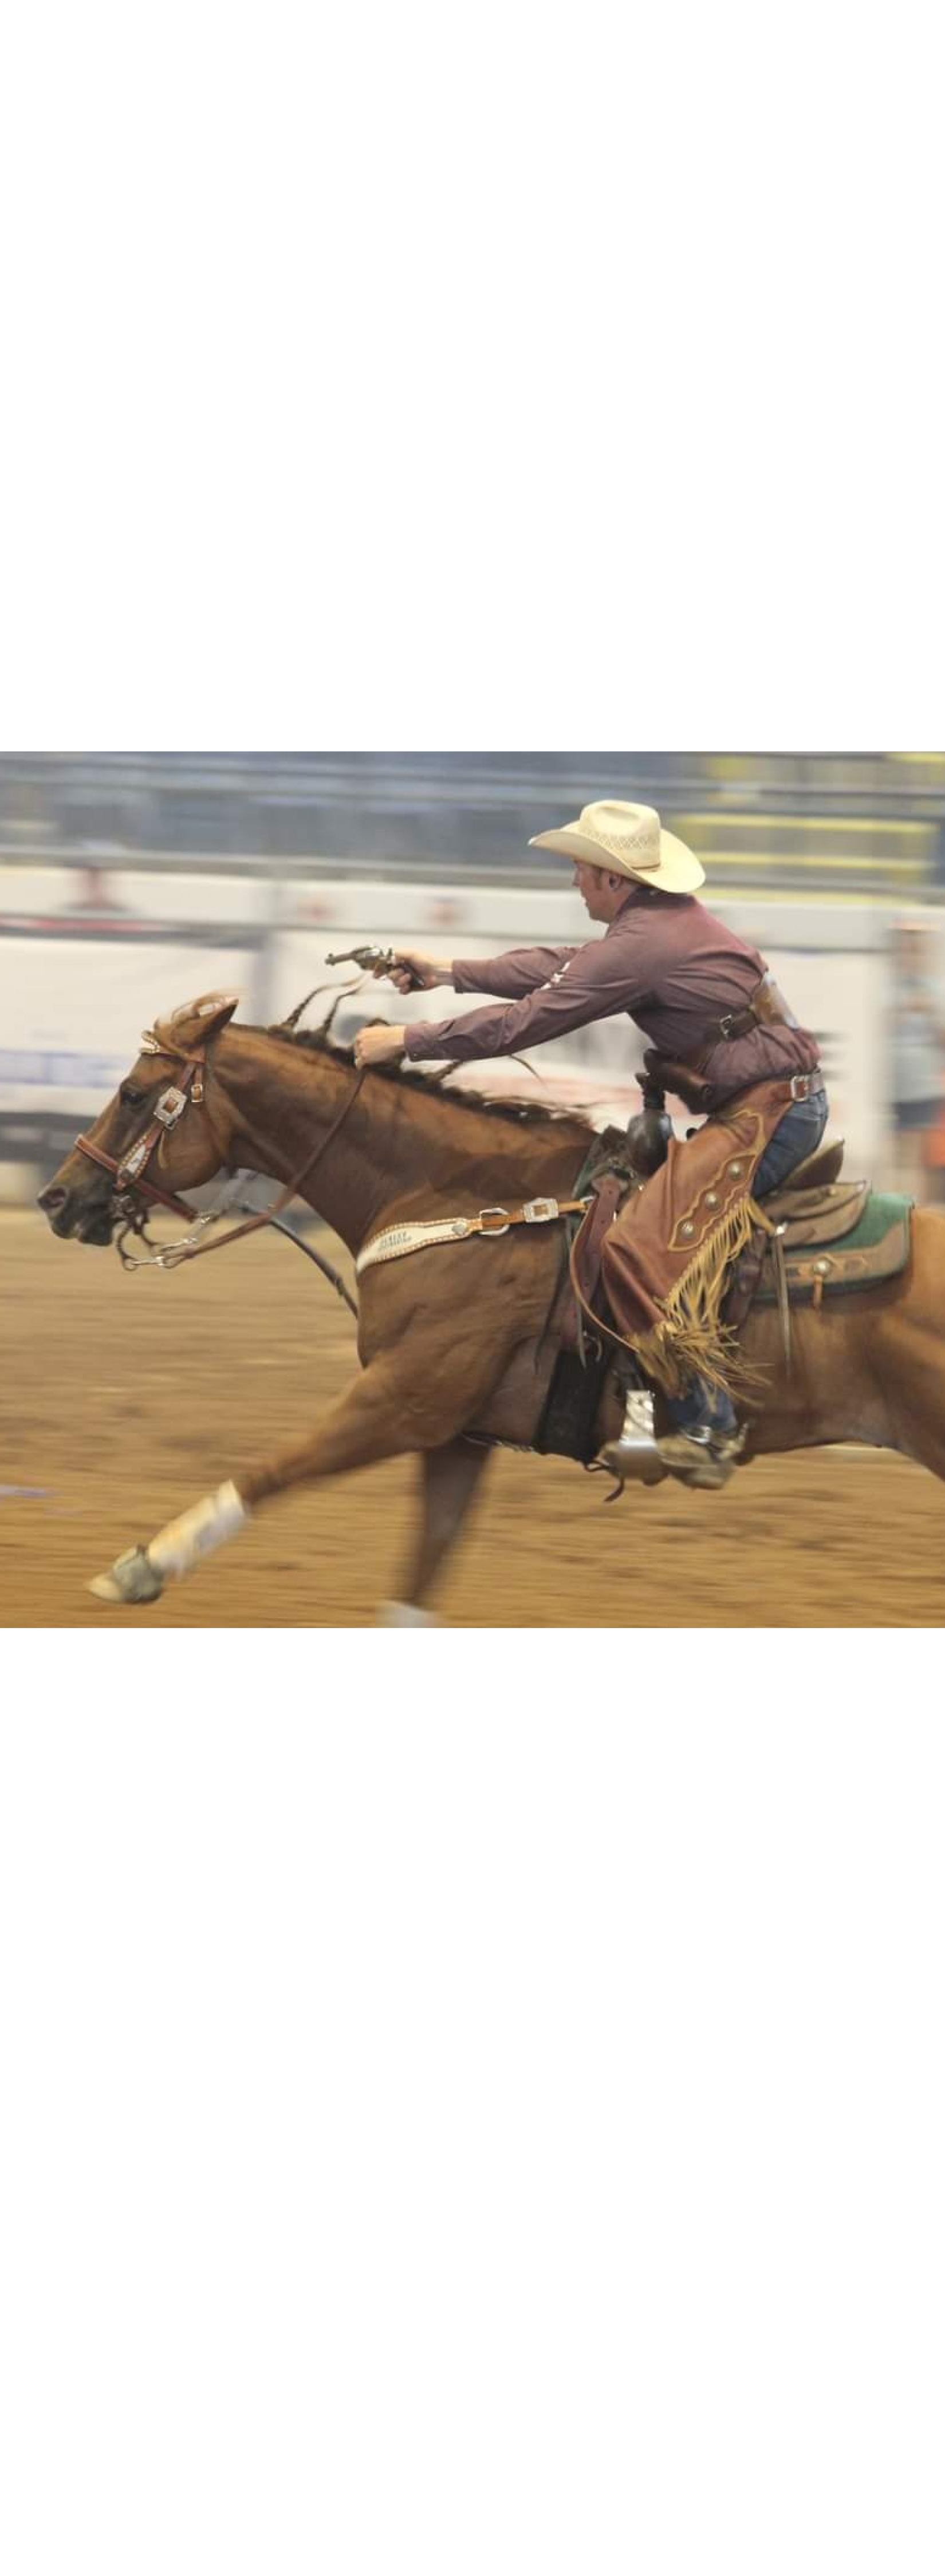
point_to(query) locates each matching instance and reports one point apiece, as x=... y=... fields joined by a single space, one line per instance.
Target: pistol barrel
x=370 y=958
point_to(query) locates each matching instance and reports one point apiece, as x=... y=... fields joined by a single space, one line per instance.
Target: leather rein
x=131 y=1186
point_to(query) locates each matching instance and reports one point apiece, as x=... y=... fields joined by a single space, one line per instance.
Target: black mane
x=519 y=1112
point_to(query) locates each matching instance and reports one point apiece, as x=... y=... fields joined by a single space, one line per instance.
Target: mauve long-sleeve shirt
x=663 y=959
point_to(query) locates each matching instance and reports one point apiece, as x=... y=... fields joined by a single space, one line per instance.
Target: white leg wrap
x=402 y=1614
x=178 y=1548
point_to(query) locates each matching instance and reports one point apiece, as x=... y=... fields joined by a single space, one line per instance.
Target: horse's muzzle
x=83 y=1214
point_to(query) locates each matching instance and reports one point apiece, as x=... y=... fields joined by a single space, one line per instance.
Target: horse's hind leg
x=905 y=1349
x=449 y=1479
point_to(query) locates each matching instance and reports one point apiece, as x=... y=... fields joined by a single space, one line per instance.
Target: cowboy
x=722 y=1037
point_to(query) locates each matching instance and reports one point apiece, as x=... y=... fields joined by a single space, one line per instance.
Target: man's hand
x=411 y=971
x=379 y=1045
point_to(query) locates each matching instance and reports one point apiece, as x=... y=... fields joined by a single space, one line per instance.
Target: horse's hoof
x=132 y=1578
x=403 y=1614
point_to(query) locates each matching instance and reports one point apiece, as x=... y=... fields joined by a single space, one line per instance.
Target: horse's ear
x=215 y=1010
x=194 y=1022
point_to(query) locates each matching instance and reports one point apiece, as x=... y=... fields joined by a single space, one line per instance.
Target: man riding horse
x=722 y=1038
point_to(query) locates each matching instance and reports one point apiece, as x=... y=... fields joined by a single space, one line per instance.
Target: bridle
x=131 y=1186
x=128 y=1173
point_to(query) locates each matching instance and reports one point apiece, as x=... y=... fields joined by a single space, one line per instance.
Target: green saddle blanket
x=877 y=1249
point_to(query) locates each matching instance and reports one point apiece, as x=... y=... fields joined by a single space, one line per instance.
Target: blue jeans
x=797 y=1135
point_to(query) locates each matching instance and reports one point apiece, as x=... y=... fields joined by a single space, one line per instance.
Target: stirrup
x=635 y=1457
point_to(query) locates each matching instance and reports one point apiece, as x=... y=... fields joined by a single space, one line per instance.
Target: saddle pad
x=877 y=1249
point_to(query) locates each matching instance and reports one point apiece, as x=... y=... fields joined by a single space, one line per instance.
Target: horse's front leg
x=450 y=1477
x=391 y=1409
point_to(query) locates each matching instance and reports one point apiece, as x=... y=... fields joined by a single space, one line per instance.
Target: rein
x=129 y=1173
x=267 y=1216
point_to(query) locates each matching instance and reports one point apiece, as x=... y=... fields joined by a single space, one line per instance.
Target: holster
x=765 y=1003
x=681 y=1079
x=768 y=1003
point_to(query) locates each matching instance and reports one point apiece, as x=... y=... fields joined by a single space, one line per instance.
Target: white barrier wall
x=72 y=1017
x=80 y=978
x=78 y=983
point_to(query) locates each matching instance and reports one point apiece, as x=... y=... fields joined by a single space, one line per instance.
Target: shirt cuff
x=417 y=1040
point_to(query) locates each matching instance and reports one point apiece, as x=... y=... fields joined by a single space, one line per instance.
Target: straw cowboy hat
x=627 y=840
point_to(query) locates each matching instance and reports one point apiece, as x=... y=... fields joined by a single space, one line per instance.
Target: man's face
x=594 y=888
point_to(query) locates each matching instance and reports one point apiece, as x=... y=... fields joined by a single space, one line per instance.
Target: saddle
x=815 y=1213
x=832 y=1236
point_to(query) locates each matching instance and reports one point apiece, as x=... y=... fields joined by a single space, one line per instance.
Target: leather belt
x=766 y=1003
x=798 y=1086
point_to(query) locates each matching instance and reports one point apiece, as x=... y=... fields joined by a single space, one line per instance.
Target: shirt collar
x=635 y=894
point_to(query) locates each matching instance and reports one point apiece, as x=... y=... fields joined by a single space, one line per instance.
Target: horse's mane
x=532 y=1113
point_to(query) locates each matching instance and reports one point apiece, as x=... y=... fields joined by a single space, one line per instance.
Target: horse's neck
x=284 y=1106
x=392 y=1141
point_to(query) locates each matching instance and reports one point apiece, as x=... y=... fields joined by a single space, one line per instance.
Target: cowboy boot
x=701 y=1457
x=702 y=1443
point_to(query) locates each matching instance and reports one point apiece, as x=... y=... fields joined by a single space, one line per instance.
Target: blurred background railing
x=132 y=881
x=826 y=823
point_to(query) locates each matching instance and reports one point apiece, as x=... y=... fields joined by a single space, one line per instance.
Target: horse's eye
x=130 y=1098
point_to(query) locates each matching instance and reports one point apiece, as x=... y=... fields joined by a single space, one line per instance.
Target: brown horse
x=451 y=1340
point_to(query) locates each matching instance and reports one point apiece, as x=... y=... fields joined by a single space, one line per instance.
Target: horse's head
x=155 y=1138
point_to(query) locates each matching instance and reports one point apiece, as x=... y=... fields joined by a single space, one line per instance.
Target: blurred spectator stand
x=917 y=1056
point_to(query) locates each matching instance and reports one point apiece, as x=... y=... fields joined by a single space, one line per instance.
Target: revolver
x=371 y=959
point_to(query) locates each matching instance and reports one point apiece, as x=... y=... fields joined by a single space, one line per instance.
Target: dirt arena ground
x=125 y=1398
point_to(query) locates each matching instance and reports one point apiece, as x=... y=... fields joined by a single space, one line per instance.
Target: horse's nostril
x=51 y=1199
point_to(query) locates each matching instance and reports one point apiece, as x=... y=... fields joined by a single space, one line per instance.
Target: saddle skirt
x=853 y=1237
x=818 y=1215
x=833 y=1234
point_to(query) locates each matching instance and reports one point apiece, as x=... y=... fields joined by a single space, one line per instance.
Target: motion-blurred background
x=132 y=882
